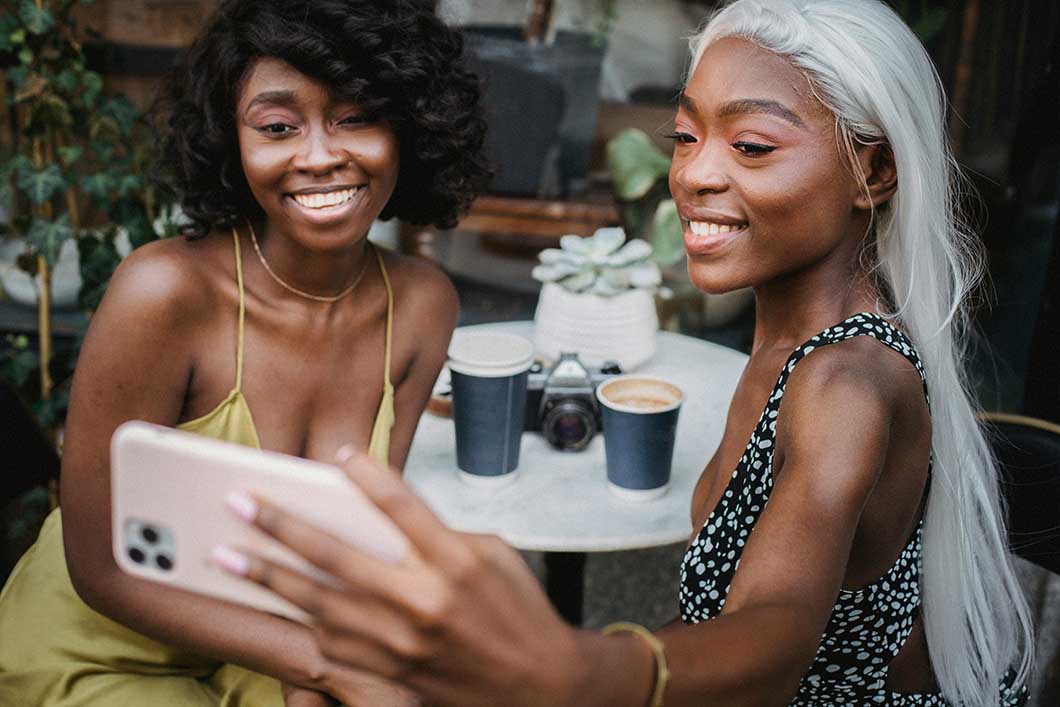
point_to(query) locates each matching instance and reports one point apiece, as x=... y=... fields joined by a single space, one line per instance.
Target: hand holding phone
x=168 y=511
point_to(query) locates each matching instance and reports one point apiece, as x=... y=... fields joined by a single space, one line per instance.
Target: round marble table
x=560 y=502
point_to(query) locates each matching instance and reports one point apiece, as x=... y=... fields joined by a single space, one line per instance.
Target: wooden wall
x=139 y=37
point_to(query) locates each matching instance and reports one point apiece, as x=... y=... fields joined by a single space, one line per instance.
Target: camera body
x=561 y=401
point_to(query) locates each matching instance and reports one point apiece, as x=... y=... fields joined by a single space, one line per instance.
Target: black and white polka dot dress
x=867 y=627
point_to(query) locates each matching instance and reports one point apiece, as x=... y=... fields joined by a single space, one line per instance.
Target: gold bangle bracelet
x=662 y=671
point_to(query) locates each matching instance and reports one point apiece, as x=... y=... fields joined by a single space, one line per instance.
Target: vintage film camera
x=561 y=401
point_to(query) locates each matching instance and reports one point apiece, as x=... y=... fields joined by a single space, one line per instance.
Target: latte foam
x=640 y=394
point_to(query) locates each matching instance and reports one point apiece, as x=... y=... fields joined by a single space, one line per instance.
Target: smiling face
x=760 y=183
x=319 y=167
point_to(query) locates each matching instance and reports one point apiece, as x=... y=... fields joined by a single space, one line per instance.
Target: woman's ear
x=881 y=176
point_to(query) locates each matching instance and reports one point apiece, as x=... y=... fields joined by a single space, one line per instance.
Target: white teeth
x=324 y=200
x=709 y=228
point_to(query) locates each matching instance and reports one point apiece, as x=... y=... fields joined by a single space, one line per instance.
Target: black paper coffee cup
x=489 y=373
x=640 y=425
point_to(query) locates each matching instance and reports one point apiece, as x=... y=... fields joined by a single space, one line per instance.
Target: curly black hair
x=394 y=58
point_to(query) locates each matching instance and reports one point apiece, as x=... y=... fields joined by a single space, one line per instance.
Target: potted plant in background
x=598 y=299
x=639 y=172
x=72 y=179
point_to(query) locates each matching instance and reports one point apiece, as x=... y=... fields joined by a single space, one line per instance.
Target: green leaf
x=636 y=164
x=52 y=411
x=92 y=86
x=47 y=237
x=18 y=75
x=19 y=164
x=70 y=154
x=579 y=282
x=575 y=245
x=667 y=234
x=99 y=185
x=36 y=19
x=8 y=28
x=104 y=130
x=18 y=366
x=123 y=113
x=18 y=36
x=104 y=150
x=26 y=55
x=634 y=251
x=41 y=185
x=67 y=80
x=604 y=242
x=132 y=214
x=130 y=184
x=98 y=258
x=51 y=111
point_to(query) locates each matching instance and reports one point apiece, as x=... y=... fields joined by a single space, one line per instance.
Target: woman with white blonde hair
x=857 y=553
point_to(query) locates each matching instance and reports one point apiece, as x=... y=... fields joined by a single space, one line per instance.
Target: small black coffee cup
x=640 y=424
x=489 y=374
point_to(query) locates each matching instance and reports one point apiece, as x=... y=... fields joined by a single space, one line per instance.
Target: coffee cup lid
x=490 y=354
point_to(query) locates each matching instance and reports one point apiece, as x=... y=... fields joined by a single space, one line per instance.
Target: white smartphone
x=168 y=511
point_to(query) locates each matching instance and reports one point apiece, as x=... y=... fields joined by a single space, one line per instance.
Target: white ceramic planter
x=24 y=289
x=621 y=328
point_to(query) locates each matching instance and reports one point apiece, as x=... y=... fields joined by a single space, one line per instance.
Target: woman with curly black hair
x=274 y=322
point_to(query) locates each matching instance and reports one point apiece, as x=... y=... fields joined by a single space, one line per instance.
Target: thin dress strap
x=242 y=312
x=379 y=444
x=389 y=319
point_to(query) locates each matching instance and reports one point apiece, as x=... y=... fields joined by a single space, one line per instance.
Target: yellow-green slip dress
x=55 y=651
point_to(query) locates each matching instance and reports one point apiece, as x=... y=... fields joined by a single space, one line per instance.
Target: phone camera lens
x=149 y=534
x=137 y=555
x=163 y=562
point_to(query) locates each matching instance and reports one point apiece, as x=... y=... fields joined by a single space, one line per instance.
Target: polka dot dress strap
x=861 y=324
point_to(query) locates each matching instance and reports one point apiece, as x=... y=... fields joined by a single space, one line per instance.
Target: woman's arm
x=462 y=620
x=833 y=434
x=425 y=313
x=137 y=362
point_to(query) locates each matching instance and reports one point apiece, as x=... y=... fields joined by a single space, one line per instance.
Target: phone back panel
x=168 y=508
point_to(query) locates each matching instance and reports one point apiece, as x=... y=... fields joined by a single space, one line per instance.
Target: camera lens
x=569 y=425
x=149 y=534
x=137 y=555
x=163 y=562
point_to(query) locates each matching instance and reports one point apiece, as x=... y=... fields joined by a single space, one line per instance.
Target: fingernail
x=345 y=453
x=229 y=560
x=242 y=505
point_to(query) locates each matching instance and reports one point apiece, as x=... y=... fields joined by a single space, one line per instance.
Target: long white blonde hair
x=869 y=68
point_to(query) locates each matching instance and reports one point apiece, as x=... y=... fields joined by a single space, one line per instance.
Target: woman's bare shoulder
x=846 y=399
x=859 y=366
x=423 y=291
x=172 y=280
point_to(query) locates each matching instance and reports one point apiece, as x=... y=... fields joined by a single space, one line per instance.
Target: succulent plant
x=603 y=264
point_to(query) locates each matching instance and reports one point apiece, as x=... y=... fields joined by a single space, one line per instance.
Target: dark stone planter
x=542 y=104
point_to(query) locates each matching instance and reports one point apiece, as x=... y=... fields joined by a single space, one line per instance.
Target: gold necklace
x=316 y=298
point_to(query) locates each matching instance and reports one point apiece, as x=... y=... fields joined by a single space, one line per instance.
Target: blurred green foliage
x=75 y=166
x=926 y=17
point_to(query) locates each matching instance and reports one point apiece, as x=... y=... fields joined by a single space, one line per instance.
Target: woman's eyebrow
x=686 y=102
x=746 y=106
x=282 y=98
